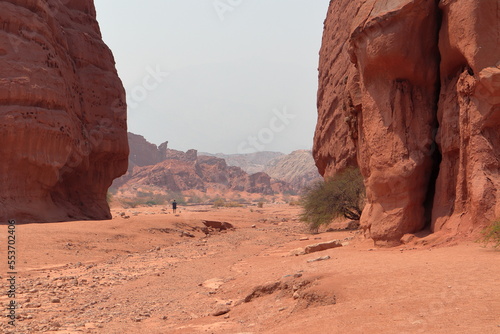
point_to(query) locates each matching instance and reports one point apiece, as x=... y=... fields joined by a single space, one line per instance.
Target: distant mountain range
x=297 y=169
x=250 y=163
x=262 y=172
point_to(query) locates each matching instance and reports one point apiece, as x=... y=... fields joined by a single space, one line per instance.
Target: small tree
x=491 y=234
x=341 y=195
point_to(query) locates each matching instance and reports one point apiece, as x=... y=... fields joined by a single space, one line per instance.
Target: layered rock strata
x=183 y=171
x=62 y=113
x=409 y=91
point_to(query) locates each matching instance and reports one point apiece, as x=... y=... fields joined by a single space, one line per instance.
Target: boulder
x=221 y=226
x=322 y=246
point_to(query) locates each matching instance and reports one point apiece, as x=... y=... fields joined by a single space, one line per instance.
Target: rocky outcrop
x=62 y=113
x=182 y=171
x=250 y=162
x=408 y=91
x=142 y=152
x=297 y=169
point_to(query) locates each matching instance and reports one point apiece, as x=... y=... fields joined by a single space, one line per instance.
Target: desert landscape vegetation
x=390 y=224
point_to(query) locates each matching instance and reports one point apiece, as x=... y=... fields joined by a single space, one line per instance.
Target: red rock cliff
x=409 y=90
x=62 y=112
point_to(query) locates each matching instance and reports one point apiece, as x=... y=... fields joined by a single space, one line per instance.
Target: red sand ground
x=139 y=275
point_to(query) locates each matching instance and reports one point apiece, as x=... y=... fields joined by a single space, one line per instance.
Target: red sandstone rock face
x=62 y=113
x=142 y=152
x=176 y=171
x=181 y=171
x=336 y=133
x=384 y=95
x=469 y=116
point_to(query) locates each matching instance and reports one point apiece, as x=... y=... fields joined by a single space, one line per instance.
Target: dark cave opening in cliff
x=435 y=153
x=436 y=158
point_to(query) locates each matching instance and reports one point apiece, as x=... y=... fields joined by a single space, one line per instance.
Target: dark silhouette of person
x=174 y=206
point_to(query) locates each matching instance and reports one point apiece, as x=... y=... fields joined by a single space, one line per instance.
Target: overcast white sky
x=230 y=76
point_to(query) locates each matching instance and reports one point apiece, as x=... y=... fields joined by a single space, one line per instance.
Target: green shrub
x=342 y=195
x=219 y=202
x=491 y=234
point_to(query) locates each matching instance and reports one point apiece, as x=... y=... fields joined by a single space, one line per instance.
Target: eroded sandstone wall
x=63 y=132
x=467 y=192
x=409 y=90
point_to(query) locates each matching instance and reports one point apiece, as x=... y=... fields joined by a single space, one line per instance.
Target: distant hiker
x=174 y=206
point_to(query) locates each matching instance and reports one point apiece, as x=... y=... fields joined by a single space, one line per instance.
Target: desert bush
x=195 y=199
x=341 y=195
x=131 y=202
x=219 y=202
x=491 y=234
x=260 y=204
x=141 y=193
x=178 y=196
x=109 y=197
x=149 y=199
x=233 y=204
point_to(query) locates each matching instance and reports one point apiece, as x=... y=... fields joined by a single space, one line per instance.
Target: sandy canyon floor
x=157 y=272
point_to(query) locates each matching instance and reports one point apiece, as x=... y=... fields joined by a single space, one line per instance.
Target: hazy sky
x=230 y=76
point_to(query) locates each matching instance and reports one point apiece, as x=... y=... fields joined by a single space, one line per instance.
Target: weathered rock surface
x=221 y=226
x=408 y=90
x=182 y=171
x=62 y=113
x=322 y=246
x=143 y=153
x=177 y=171
x=250 y=162
x=297 y=169
x=467 y=189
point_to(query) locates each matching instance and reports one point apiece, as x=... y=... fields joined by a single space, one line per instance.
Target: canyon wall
x=62 y=113
x=409 y=91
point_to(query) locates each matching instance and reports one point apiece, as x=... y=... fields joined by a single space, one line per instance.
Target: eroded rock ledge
x=62 y=113
x=409 y=91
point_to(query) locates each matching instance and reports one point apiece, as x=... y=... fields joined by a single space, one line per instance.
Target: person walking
x=174 y=206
